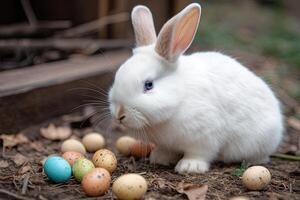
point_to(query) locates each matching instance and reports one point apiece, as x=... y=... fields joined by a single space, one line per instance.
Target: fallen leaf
x=3 y=164
x=192 y=191
x=55 y=133
x=13 y=140
x=162 y=183
x=37 y=146
x=25 y=169
x=19 y=159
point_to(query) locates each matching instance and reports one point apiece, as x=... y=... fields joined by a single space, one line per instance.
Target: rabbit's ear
x=143 y=26
x=178 y=33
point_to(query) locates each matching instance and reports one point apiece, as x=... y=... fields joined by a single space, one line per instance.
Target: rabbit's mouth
x=134 y=119
x=128 y=118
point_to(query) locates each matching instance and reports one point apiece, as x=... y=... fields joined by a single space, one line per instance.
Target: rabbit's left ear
x=143 y=26
x=178 y=33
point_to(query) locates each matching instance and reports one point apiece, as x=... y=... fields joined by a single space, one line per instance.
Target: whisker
x=88 y=89
x=95 y=86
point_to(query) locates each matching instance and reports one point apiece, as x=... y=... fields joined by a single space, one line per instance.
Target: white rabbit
x=204 y=106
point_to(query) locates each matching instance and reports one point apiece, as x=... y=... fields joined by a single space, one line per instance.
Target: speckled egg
x=130 y=186
x=256 y=178
x=96 y=182
x=72 y=157
x=140 y=149
x=93 y=142
x=81 y=167
x=106 y=159
x=73 y=145
x=57 y=169
x=124 y=144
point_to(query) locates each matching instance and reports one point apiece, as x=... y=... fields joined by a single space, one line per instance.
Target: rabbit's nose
x=121 y=118
x=120 y=115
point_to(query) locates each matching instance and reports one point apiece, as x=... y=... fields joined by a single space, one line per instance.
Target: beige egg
x=239 y=198
x=124 y=144
x=73 y=145
x=93 y=142
x=130 y=186
x=106 y=159
x=256 y=178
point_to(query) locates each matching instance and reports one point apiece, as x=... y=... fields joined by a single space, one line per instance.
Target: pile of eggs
x=95 y=174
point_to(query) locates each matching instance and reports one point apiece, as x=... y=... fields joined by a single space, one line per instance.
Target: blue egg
x=57 y=169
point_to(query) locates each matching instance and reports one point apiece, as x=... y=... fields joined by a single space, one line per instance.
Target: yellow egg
x=256 y=178
x=130 y=186
x=124 y=144
x=106 y=159
x=73 y=145
x=93 y=142
x=96 y=182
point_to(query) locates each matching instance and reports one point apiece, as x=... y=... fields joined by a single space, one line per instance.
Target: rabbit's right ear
x=178 y=33
x=143 y=26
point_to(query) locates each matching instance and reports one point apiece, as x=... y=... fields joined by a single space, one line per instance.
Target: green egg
x=81 y=167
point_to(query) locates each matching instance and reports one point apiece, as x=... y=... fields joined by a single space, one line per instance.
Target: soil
x=27 y=181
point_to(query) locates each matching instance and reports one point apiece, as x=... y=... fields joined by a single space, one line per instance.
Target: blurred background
x=262 y=34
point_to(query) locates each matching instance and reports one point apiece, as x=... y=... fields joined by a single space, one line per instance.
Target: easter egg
x=96 y=182
x=93 y=142
x=73 y=145
x=140 y=149
x=57 y=169
x=124 y=144
x=106 y=159
x=256 y=178
x=81 y=167
x=72 y=157
x=130 y=186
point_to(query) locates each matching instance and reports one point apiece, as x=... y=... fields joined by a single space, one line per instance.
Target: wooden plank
x=33 y=95
x=65 y=44
x=103 y=10
x=35 y=106
x=22 y=80
x=119 y=29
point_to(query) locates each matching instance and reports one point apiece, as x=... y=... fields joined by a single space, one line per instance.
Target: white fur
x=205 y=106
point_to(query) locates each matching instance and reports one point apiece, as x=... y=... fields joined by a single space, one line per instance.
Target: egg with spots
x=73 y=145
x=93 y=142
x=124 y=144
x=81 y=167
x=256 y=178
x=57 y=169
x=96 y=182
x=106 y=159
x=72 y=157
x=140 y=149
x=130 y=186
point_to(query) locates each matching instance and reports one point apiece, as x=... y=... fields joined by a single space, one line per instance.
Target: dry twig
x=14 y=195
x=94 y=26
x=25 y=183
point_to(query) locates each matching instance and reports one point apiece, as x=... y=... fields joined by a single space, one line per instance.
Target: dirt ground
x=22 y=177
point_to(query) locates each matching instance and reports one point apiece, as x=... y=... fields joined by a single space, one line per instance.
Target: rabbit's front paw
x=159 y=156
x=191 y=166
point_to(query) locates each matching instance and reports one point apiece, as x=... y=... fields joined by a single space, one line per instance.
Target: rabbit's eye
x=148 y=85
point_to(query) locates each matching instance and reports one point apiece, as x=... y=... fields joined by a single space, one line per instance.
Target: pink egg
x=72 y=157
